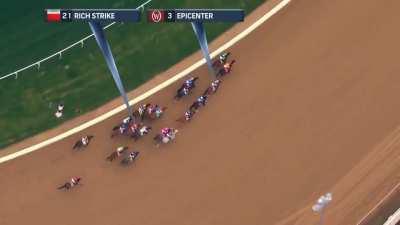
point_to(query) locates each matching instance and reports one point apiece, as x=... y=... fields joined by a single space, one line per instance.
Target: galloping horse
x=118 y=130
x=155 y=112
x=217 y=64
x=72 y=183
x=184 y=90
x=141 y=111
x=226 y=69
x=142 y=131
x=116 y=153
x=187 y=116
x=80 y=144
x=201 y=101
x=162 y=139
x=130 y=158
x=213 y=88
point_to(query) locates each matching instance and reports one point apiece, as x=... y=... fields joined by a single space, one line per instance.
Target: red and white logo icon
x=156 y=16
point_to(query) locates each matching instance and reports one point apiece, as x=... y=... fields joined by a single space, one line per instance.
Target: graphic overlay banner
x=195 y=15
x=92 y=15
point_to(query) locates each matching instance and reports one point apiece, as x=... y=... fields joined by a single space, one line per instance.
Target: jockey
x=151 y=109
x=189 y=83
x=188 y=115
x=223 y=57
x=74 y=181
x=119 y=150
x=122 y=128
x=132 y=155
x=202 y=100
x=185 y=91
x=144 y=130
x=227 y=67
x=127 y=120
x=158 y=111
x=142 y=109
x=85 y=140
x=166 y=131
x=215 y=84
x=134 y=128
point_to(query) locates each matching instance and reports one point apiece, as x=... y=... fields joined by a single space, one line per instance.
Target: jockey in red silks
x=134 y=128
x=227 y=67
x=165 y=131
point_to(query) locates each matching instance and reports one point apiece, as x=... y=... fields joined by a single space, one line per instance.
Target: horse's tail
x=177 y=96
x=76 y=144
x=111 y=157
x=207 y=91
x=62 y=187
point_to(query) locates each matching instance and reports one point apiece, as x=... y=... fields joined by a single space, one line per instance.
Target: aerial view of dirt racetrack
x=309 y=107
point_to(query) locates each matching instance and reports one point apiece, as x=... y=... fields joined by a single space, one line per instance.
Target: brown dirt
x=310 y=107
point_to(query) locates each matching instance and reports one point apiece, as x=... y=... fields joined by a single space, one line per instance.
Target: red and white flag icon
x=53 y=15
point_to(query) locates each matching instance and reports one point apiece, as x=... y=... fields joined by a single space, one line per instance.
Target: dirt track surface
x=311 y=107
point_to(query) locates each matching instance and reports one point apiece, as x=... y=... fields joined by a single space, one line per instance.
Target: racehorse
x=130 y=158
x=79 y=144
x=161 y=139
x=184 y=90
x=198 y=103
x=142 y=131
x=70 y=184
x=156 y=113
x=226 y=69
x=116 y=153
x=141 y=112
x=117 y=130
x=125 y=129
x=181 y=92
x=186 y=117
x=217 y=64
x=213 y=88
x=195 y=106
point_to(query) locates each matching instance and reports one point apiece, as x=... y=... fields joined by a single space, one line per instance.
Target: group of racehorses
x=135 y=128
